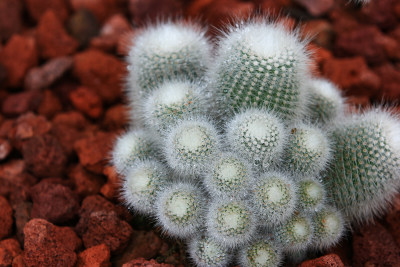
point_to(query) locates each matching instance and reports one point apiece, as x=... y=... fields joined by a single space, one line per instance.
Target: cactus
x=248 y=158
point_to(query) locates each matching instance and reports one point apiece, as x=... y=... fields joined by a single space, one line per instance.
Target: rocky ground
x=61 y=102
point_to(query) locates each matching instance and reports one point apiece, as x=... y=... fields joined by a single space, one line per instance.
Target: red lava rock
x=27 y=126
x=66 y=136
x=5 y=257
x=53 y=40
x=390 y=89
x=10 y=18
x=115 y=118
x=12 y=246
x=111 y=32
x=352 y=74
x=44 y=156
x=18 y=56
x=48 y=245
x=110 y=189
x=321 y=32
x=97 y=256
x=144 y=244
x=18 y=261
x=87 y=101
x=393 y=220
x=374 y=246
x=101 y=8
x=143 y=11
x=6 y=218
x=343 y=21
x=83 y=26
x=145 y=263
x=94 y=203
x=37 y=8
x=331 y=260
x=101 y=72
x=106 y=227
x=42 y=77
x=5 y=148
x=72 y=119
x=93 y=151
x=316 y=8
x=381 y=13
x=50 y=105
x=86 y=183
x=54 y=202
x=19 y=103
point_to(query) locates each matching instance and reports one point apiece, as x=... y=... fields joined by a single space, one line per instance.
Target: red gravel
x=61 y=103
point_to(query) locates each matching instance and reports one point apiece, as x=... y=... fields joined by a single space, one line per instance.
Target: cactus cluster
x=241 y=151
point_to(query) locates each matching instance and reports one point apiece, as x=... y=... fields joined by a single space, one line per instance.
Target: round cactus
x=230 y=222
x=180 y=209
x=191 y=145
x=257 y=135
x=260 y=64
x=170 y=102
x=131 y=146
x=260 y=253
x=206 y=252
x=228 y=176
x=141 y=184
x=311 y=194
x=329 y=226
x=364 y=174
x=308 y=150
x=274 y=198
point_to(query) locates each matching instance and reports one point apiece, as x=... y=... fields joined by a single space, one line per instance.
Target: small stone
x=353 y=75
x=5 y=149
x=18 y=56
x=44 y=156
x=54 y=202
x=19 y=103
x=102 y=9
x=48 y=245
x=393 y=220
x=42 y=77
x=97 y=256
x=83 y=26
x=101 y=72
x=321 y=32
x=37 y=8
x=93 y=151
x=381 y=13
x=50 y=105
x=10 y=18
x=331 y=260
x=5 y=258
x=86 y=183
x=12 y=246
x=143 y=11
x=115 y=118
x=373 y=245
x=67 y=135
x=390 y=88
x=50 y=26
x=110 y=189
x=316 y=8
x=72 y=119
x=87 y=101
x=145 y=263
x=6 y=218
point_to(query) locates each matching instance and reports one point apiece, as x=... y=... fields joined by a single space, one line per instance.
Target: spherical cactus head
x=131 y=146
x=325 y=103
x=205 y=252
x=261 y=64
x=308 y=150
x=364 y=175
x=311 y=194
x=179 y=209
x=230 y=222
x=228 y=176
x=170 y=102
x=261 y=253
x=191 y=145
x=329 y=227
x=257 y=135
x=296 y=233
x=141 y=183
x=274 y=198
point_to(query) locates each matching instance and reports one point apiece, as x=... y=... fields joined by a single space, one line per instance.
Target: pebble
x=316 y=8
x=102 y=9
x=54 y=202
x=83 y=26
x=18 y=56
x=321 y=31
x=50 y=105
x=6 y=218
x=100 y=72
x=44 y=76
x=20 y=103
x=10 y=18
x=49 y=47
x=37 y=8
x=144 y=11
x=115 y=118
x=145 y=263
x=87 y=101
x=5 y=148
x=331 y=260
x=12 y=246
x=49 y=245
x=382 y=13
x=390 y=88
x=96 y=256
x=85 y=183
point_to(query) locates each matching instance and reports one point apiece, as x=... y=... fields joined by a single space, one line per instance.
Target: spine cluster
x=247 y=157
